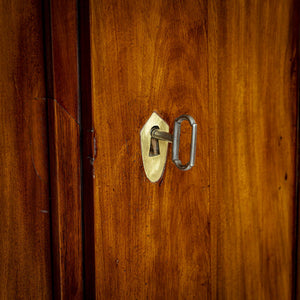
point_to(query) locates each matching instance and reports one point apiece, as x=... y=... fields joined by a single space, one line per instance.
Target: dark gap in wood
x=81 y=147
x=47 y=45
x=86 y=140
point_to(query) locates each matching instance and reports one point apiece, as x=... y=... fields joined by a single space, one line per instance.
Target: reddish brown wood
x=233 y=214
x=64 y=140
x=253 y=65
x=25 y=251
x=64 y=54
x=65 y=203
x=151 y=240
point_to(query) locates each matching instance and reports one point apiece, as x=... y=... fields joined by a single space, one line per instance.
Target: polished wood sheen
x=64 y=141
x=25 y=249
x=66 y=205
x=64 y=27
x=253 y=63
x=151 y=240
x=225 y=229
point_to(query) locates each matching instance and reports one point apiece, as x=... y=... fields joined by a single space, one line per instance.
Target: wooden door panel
x=151 y=240
x=253 y=93
x=25 y=251
x=225 y=229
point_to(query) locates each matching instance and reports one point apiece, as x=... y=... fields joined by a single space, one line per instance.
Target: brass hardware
x=154 y=154
x=155 y=137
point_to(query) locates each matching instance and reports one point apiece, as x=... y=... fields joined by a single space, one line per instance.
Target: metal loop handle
x=176 y=142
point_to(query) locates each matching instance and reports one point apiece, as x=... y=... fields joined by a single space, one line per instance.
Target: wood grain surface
x=64 y=27
x=65 y=203
x=226 y=228
x=253 y=64
x=151 y=240
x=25 y=250
x=64 y=140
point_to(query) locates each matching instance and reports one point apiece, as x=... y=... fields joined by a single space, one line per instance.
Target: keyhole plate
x=154 y=165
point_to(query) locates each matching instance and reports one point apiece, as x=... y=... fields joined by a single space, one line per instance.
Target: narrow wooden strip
x=65 y=203
x=64 y=53
x=64 y=140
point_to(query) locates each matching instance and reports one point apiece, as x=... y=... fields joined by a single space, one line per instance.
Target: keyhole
x=154 y=145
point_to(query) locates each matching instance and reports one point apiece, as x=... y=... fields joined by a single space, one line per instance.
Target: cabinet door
x=25 y=248
x=225 y=228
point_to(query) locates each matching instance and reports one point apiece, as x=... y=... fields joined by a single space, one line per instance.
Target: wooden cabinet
x=79 y=218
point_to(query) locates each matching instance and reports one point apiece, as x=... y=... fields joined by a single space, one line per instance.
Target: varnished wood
x=25 y=251
x=64 y=54
x=65 y=203
x=64 y=141
x=253 y=103
x=225 y=229
x=151 y=240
